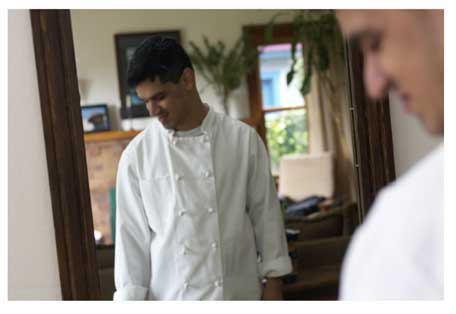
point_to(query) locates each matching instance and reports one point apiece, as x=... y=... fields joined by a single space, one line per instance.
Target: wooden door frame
x=65 y=153
x=281 y=33
x=67 y=168
x=372 y=134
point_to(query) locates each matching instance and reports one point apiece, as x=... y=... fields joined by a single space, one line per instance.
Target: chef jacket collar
x=205 y=126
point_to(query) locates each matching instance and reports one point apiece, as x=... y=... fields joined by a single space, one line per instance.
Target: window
x=270 y=89
x=283 y=107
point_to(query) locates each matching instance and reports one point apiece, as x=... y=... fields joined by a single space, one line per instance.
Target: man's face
x=403 y=53
x=166 y=101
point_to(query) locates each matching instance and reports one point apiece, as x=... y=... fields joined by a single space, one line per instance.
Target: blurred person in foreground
x=397 y=253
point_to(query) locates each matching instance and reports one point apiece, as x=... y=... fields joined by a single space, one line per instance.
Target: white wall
x=410 y=140
x=32 y=256
x=94 y=30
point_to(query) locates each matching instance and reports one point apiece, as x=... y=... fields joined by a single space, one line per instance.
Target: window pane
x=286 y=133
x=275 y=62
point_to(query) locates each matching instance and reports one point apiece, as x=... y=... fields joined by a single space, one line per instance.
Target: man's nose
x=375 y=79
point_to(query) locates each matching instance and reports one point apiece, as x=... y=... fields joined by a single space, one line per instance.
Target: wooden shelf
x=121 y=135
x=110 y=136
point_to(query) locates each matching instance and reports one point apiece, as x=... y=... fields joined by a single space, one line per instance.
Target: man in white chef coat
x=397 y=253
x=198 y=216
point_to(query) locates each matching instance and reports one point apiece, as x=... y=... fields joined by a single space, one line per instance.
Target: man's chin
x=434 y=127
x=165 y=122
x=167 y=126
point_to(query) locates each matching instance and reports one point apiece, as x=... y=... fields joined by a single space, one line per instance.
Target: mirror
x=309 y=137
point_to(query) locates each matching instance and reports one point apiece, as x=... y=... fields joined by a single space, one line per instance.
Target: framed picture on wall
x=126 y=45
x=95 y=118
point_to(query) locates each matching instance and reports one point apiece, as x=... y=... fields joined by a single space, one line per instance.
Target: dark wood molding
x=371 y=125
x=67 y=168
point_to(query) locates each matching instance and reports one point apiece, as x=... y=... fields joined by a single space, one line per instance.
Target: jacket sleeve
x=265 y=214
x=132 y=245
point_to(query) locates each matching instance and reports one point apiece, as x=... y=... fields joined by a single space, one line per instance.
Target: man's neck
x=195 y=117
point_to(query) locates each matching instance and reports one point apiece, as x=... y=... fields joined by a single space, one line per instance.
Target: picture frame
x=126 y=44
x=95 y=118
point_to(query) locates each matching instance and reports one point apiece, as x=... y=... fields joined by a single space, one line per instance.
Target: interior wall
x=32 y=256
x=94 y=30
x=410 y=139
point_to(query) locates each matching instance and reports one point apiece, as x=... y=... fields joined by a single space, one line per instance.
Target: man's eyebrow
x=157 y=94
x=153 y=96
x=357 y=36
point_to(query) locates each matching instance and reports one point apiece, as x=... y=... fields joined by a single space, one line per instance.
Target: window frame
x=283 y=34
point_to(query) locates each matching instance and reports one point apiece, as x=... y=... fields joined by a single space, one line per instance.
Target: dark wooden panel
x=67 y=169
x=371 y=125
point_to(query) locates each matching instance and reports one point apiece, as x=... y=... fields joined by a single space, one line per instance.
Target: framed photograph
x=95 y=118
x=126 y=45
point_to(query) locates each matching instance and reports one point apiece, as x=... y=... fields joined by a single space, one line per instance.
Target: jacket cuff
x=277 y=267
x=130 y=293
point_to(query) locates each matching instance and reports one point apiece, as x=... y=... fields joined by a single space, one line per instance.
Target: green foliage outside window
x=286 y=134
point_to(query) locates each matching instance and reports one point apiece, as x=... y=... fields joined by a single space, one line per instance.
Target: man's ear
x=188 y=79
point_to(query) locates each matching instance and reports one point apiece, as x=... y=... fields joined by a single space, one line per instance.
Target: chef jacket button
x=178 y=177
x=214 y=245
x=182 y=212
x=210 y=210
x=185 y=284
x=174 y=141
x=207 y=174
x=184 y=251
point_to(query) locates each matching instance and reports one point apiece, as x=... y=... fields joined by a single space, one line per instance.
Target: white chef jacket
x=397 y=253
x=197 y=216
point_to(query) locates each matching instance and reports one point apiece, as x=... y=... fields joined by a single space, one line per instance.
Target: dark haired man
x=398 y=251
x=197 y=212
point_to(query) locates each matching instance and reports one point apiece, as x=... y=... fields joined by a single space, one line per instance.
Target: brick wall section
x=102 y=160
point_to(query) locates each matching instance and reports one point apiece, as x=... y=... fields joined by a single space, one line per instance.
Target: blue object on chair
x=305 y=207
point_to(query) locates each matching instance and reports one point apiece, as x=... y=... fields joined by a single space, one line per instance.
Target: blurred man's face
x=403 y=53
